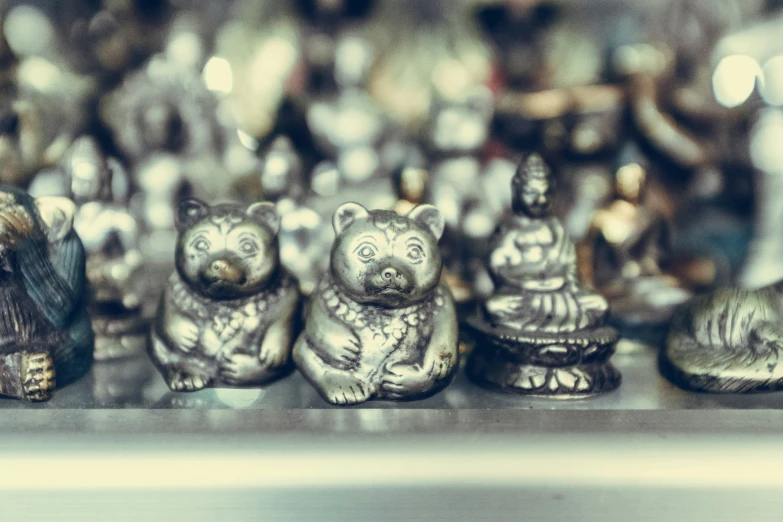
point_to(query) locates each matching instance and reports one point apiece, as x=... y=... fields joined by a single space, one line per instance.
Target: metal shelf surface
x=135 y=383
x=119 y=446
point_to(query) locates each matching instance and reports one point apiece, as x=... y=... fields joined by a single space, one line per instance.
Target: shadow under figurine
x=228 y=312
x=728 y=341
x=45 y=334
x=540 y=332
x=381 y=325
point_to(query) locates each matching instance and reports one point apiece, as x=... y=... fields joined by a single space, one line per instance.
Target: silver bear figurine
x=229 y=310
x=381 y=324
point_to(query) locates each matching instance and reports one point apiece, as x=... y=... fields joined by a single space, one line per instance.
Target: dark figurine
x=228 y=313
x=380 y=324
x=540 y=332
x=45 y=332
x=727 y=342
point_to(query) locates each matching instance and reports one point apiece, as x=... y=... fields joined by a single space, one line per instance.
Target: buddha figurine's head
x=629 y=182
x=532 y=187
x=88 y=171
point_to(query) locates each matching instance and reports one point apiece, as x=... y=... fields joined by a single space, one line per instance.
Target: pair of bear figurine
x=380 y=324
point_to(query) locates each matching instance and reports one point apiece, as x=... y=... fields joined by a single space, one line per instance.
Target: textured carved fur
x=380 y=325
x=227 y=315
x=729 y=341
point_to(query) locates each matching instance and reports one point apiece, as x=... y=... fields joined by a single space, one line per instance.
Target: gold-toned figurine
x=629 y=246
x=44 y=326
x=541 y=332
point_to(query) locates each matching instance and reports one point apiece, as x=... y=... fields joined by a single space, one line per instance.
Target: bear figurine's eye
x=201 y=245
x=366 y=251
x=415 y=253
x=248 y=247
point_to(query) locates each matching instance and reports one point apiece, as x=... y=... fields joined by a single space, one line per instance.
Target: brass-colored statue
x=540 y=332
x=629 y=246
x=110 y=234
x=727 y=342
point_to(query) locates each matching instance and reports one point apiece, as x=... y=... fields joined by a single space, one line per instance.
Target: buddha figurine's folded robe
x=533 y=263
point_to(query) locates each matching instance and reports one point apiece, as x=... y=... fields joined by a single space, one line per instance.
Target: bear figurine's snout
x=224 y=271
x=388 y=279
x=391 y=275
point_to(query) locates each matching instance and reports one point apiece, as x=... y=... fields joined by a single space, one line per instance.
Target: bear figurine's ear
x=430 y=217
x=266 y=214
x=57 y=215
x=346 y=214
x=189 y=212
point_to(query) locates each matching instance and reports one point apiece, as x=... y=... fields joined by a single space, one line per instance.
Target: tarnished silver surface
x=381 y=325
x=727 y=342
x=540 y=332
x=228 y=312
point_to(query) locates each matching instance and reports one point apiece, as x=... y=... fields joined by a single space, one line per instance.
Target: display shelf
x=119 y=446
x=135 y=383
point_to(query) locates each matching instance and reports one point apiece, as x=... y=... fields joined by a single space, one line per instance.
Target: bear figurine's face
x=382 y=258
x=226 y=252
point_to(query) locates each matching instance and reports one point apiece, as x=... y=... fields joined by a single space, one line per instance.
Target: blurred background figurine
x=110 y=233
x=629 y=248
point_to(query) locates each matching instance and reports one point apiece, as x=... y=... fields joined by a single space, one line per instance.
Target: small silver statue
x=110 y=233
x=727 y=342
x=380 y=323
x=464 y=187
x=229 y=310
x=165 y=111
x=160 y=182
x=540 y=332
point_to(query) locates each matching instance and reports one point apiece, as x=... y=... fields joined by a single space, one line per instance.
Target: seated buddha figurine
x=541 y=332
x=629 y=250
x=533 y=264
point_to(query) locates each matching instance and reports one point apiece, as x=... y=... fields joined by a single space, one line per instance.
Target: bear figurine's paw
x=183 y=333
x=344 y=350
x=346 y=390
x=238 y=369
x=273 y=357
x=182 y=381
x=402 y=380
